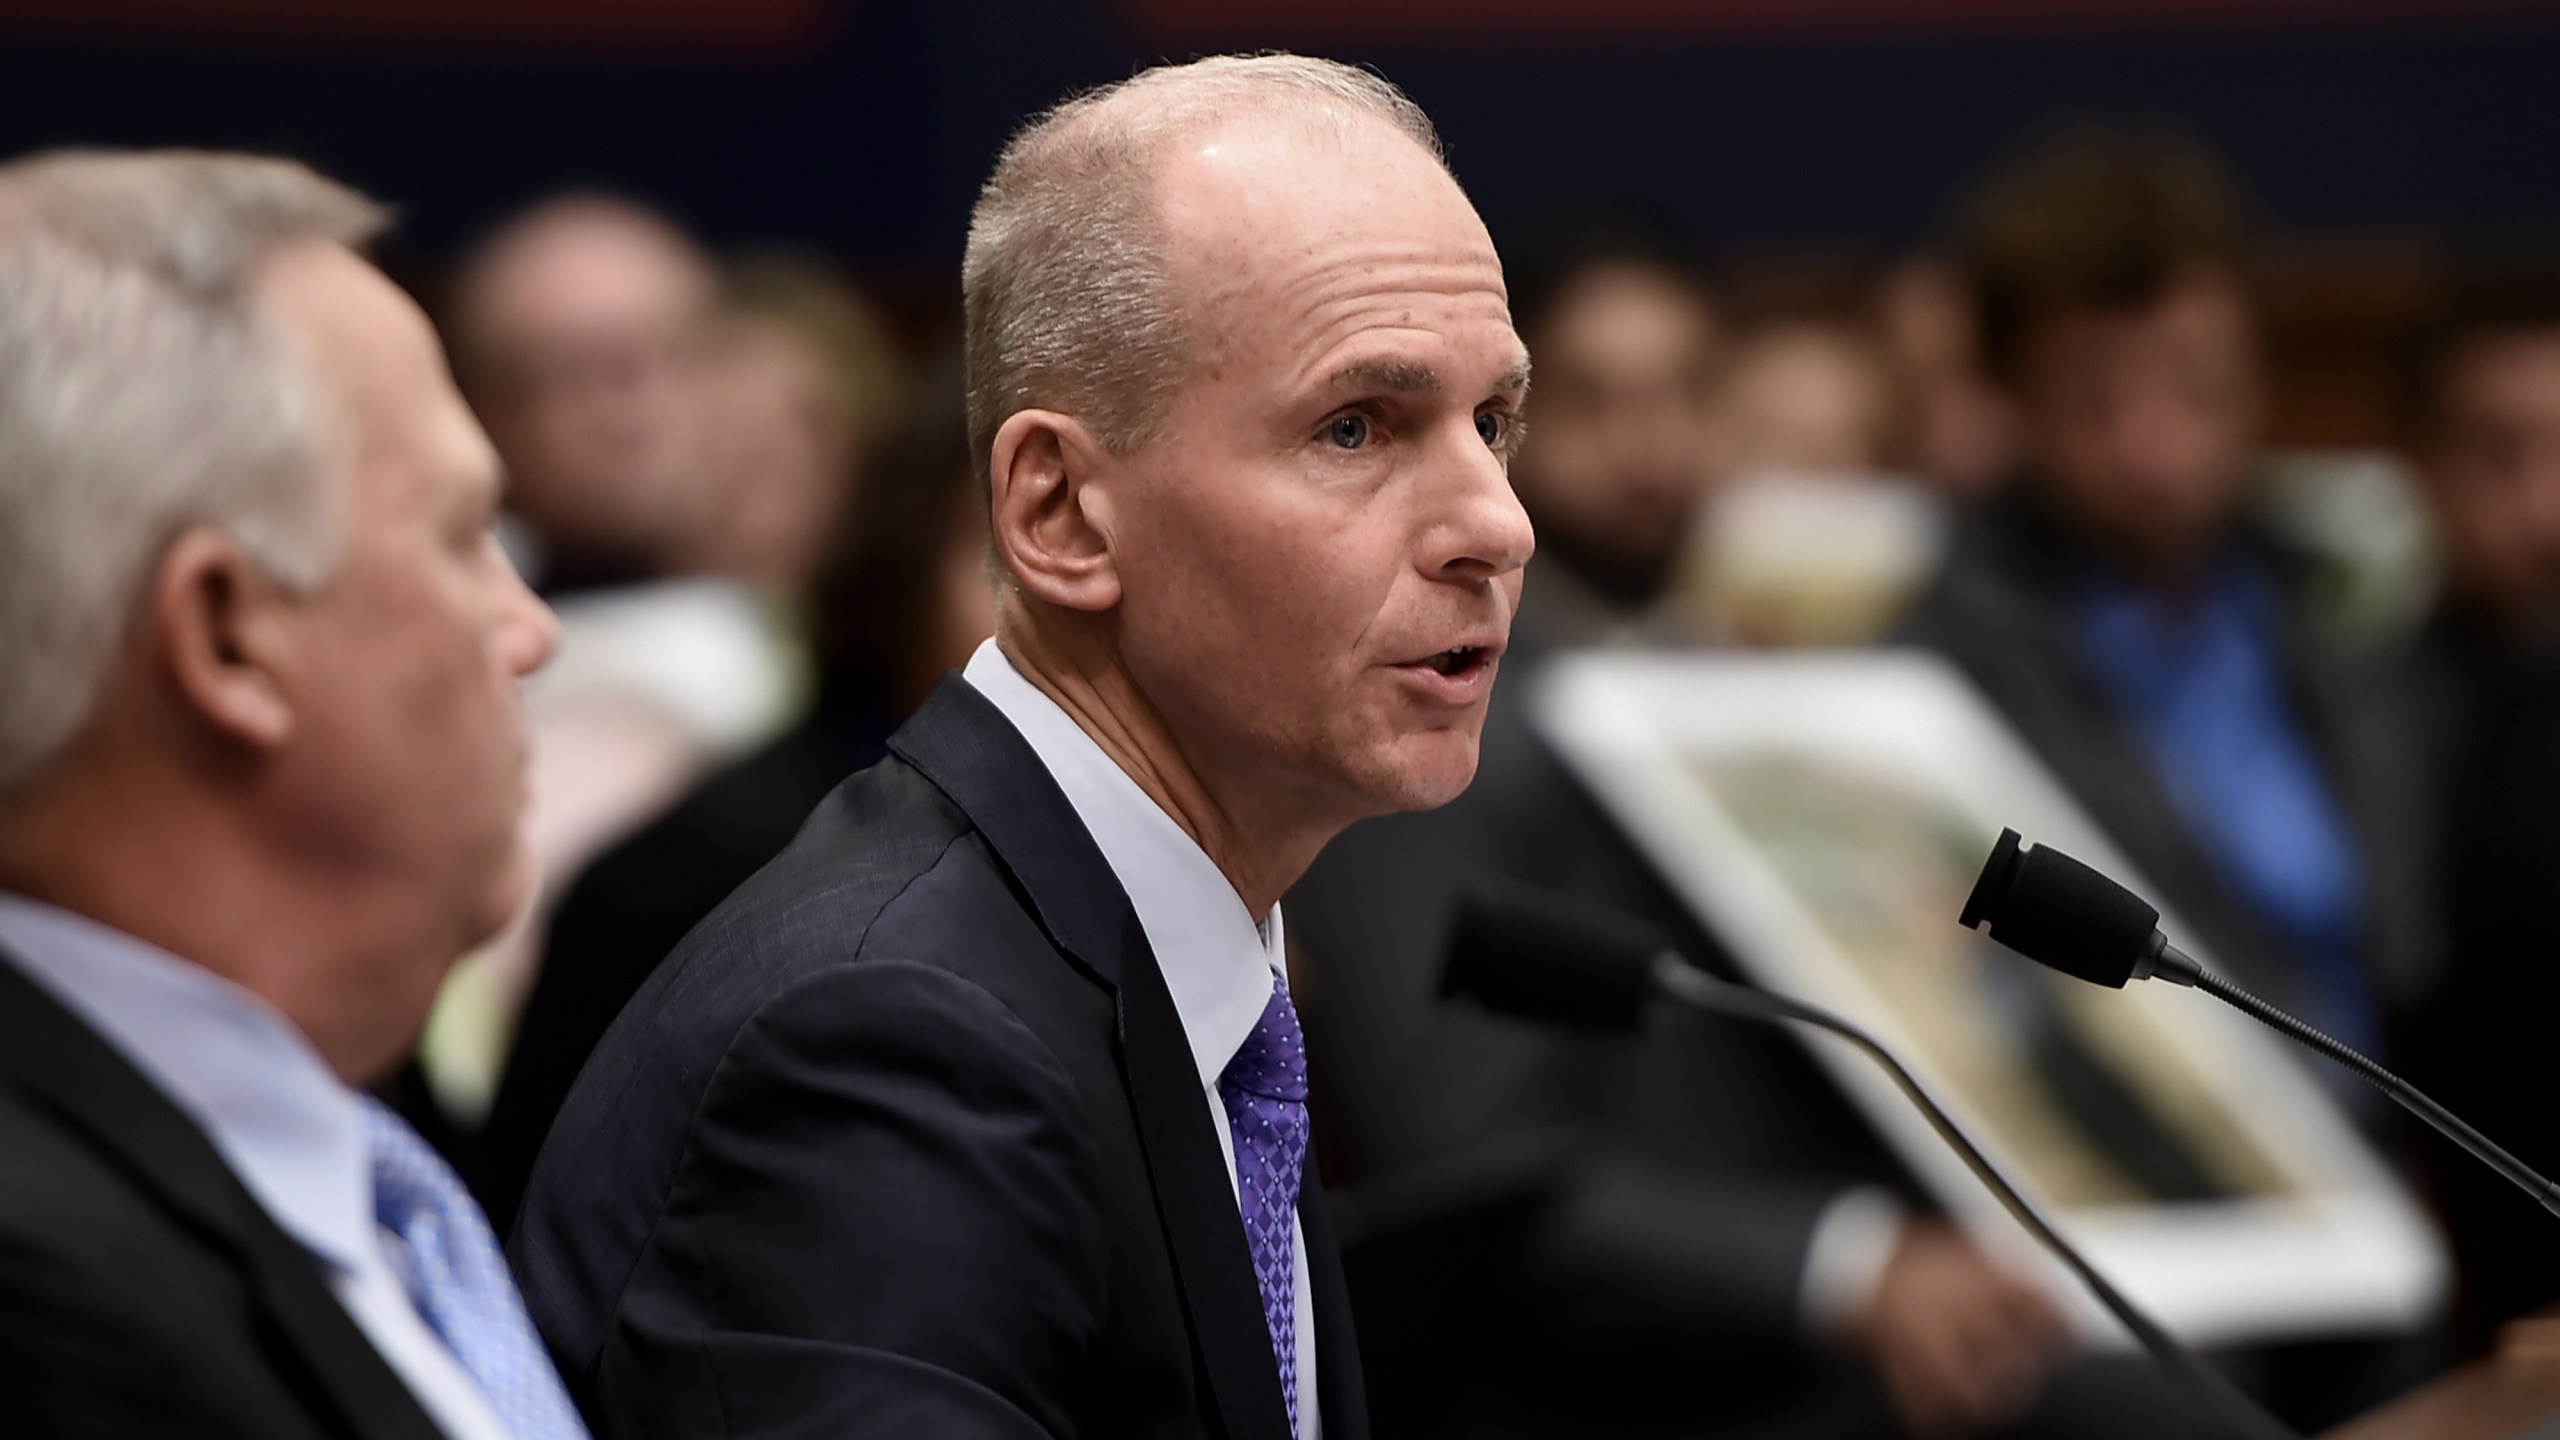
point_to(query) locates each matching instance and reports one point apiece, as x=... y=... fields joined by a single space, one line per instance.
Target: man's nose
x=1486 y=534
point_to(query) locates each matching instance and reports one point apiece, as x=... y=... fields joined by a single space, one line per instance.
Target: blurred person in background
x=805 y=379
x=1813 y=535
x=2119 y=606
x=591 y=338
x=1688 y=1233
x=1629 y=339
x=2485 y=395
x=1805 y=396
x=261 y=777
x=1962 y=433
x=2156 y=647
x=903 y=598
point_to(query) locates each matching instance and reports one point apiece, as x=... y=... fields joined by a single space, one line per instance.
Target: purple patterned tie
x=1265 y=1090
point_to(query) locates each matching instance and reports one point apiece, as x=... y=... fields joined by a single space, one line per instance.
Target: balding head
x=1244 y=384
x=1069 y=290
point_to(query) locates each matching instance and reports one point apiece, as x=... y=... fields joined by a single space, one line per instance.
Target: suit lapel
x=58 y=1061
x=967 y=748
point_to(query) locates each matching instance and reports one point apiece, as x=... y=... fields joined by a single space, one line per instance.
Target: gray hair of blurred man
x=144 y=392
x=1065 y=283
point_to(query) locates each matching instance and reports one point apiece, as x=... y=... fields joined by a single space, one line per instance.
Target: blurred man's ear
x=222 y=639
x=1052 y=526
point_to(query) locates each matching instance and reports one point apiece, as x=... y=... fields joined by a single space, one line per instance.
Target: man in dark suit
x=2484 y=675
x=260 y=784
x=2158 y=650
x=981 y=1111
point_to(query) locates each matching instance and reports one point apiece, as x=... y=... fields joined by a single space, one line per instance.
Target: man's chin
x=1431 y=771
x=504 y=898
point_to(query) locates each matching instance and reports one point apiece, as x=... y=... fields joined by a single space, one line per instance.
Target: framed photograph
x=1825 y=815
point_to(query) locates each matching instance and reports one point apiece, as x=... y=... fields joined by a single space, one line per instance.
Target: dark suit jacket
x=626 y=911
x=906 y=1139
x=143 y=1292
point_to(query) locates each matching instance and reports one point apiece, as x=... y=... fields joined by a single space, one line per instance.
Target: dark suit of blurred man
x=981 y=1112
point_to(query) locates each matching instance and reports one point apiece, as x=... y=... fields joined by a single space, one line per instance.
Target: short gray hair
x=142 y=392
x=1065 y=282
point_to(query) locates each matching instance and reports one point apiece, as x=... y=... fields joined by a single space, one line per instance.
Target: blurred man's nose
x=532 y=632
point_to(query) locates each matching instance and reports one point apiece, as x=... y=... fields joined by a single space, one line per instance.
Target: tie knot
x=1272 y=1062
x=409 y=1178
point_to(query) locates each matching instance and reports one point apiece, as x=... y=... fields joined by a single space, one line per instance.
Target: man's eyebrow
x=1406 y=377
x=1402 y=377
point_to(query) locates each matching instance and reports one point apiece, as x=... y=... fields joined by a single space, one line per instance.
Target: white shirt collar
x=1216 y=961
x=283 y=1121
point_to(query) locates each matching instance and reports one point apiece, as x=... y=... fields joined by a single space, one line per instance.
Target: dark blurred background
x=1796 y=135
x=697 y=266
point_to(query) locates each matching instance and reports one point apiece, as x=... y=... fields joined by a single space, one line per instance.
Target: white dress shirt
x=283 y=1121
x=1218 y=960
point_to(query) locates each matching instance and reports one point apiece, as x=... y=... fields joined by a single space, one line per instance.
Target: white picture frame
x=1815 y=810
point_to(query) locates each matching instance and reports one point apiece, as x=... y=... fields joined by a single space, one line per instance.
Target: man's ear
x=223 y=639
x=1051 y=522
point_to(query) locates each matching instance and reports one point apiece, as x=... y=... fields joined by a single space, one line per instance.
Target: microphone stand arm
x=2178 y=968
x=1678 y=980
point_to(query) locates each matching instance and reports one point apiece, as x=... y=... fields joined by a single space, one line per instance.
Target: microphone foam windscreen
x=2060 y=913
x=1543 y=957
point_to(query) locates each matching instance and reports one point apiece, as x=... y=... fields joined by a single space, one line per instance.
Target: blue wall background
x=871 y=141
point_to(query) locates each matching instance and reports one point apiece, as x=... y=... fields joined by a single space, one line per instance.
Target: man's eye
x=1492 y=426
x=1350 y=431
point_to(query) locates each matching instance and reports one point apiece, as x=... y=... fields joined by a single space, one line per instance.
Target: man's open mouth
x=1458 y=660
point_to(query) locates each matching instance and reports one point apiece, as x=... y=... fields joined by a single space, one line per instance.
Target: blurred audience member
x=585 y=333
x=2119 y=608
x=1809 y=538
x=581 y=331
x=1962 y=434
x=1688 y=1233
x=904 y=598
x=2487 y=676
x=1626 y=342
x=1804 y=397
x=261 y=771
x=804 y=377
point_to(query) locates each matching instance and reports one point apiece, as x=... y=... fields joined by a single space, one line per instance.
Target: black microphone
x=1544 y=957
x=2062 y=914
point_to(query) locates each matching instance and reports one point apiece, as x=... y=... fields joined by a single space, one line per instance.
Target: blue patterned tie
x=457 y=1278
x=1265 y=1090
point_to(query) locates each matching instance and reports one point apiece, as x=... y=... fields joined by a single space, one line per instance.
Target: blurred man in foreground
x=1688 y=1233
x=2486 y=675
x=982 y=1110
x=261 y=775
